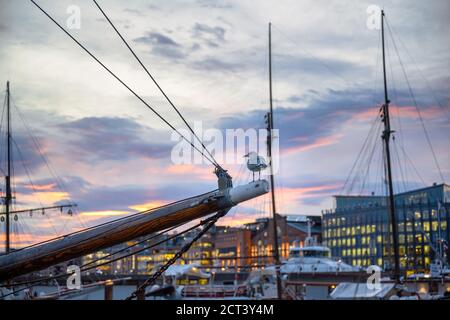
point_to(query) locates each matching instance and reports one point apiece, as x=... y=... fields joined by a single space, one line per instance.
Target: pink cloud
x=200 y=172
x=44 y=187
x=317 y=143
x=406 y=112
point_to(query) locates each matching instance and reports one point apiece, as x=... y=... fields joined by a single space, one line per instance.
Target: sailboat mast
x=272 y=179
x=386 y=137
x=8 y=196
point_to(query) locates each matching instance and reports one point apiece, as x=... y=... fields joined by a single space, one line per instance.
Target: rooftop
x=397 y=194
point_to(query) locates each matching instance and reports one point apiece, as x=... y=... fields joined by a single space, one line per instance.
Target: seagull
x=255 y=163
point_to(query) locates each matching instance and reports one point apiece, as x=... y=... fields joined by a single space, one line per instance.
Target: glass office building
x=358 y=228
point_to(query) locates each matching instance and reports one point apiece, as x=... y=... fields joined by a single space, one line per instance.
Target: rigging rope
x=84 y=267
x=124 y=84
x=59 y=182
x=208 y=223
x=416 y=105
x=38 y=147
x=318 y=60
x=412 y=164
x=1 y=126
x=433 y=93
x=156 y=83
x=356 y=165
x=32 y=183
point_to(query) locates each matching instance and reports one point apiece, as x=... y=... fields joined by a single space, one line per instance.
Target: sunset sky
x=211 y=57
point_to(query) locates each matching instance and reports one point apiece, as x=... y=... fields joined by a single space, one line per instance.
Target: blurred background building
x=358 y=228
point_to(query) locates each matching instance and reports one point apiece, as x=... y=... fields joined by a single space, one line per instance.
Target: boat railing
x=212 y=291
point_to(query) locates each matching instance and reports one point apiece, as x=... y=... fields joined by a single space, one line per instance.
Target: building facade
x=358 y=229
x=221 y=249
x=292 y=231
x=230 y=243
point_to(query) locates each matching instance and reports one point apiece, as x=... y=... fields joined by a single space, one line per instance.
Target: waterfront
x=200 y=160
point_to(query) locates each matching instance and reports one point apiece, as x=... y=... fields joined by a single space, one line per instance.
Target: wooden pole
x=109 y=290
x=20 y=262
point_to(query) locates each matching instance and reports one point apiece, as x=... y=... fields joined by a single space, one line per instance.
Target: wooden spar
x=69 y=247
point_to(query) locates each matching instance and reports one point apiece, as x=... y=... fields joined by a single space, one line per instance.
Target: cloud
x=111 y=138
x=25 y=154
x=317 y=122
x=309 y=193
x=162 y=45
x=214 y=64
x=148 y=205
x=306 y=127
x=217 y=4
x=211 y=36
x=110 y=213
x=288 y=65
x=45 y=187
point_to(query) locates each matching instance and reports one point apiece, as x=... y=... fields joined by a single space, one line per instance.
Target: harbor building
x=232 y=247
x=292 y=231
x=222 y=249
x=358 y=229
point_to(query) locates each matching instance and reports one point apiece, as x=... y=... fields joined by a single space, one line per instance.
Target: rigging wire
x=60 y=183
x=379 y=175
x=319 y=61
x=427 y=83
x=1 y=140
x=416 y=105
x=368 y=164
x=372 y=131
x=156 y=83
x=32 y=184
x=137 y=214
x=365 y=164
x=412 y=164
x=124 y=84
x=145 y=239
x=399 y=134
x=207 y=224
x=34 y=282
x=356 y=165
x=400 y=167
